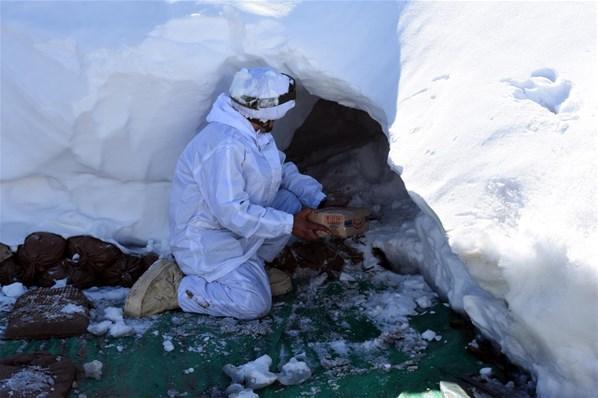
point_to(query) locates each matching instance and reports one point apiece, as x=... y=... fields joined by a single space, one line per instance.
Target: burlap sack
x=40 y=251
x=35 y=375
x=44 y=313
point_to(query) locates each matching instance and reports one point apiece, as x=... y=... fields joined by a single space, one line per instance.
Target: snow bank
x=489 y=109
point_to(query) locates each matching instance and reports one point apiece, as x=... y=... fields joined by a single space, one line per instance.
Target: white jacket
x=224 y=183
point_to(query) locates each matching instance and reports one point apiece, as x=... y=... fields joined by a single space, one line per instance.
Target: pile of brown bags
x=84 y=261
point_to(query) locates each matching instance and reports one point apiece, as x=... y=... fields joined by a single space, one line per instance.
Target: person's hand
x=305 y=229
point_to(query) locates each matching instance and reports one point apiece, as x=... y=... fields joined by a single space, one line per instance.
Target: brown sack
x=44 y=313
x=53 y=376
x=127 y=269
x=41 y=250
x=79 y=275
x=49 y=277
x=5 y=252
x=92 y=252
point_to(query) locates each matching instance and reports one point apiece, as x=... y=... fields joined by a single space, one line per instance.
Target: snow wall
x=489 y=110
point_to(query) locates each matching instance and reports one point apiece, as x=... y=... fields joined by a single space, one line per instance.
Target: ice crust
x=489 y=110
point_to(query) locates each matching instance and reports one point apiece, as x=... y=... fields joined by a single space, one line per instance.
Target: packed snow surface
x=489 y=110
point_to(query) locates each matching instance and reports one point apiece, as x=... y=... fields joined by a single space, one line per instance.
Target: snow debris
x=60 y=283
x=114 y=314
x=452 y=390
x=167 y=345
x=345 y=277
x=120 y=329
x=29 y=381
x=73 y=309
x=318 y=281
x=93 y=369
x=387 y=309
x=237 y=391
x=294 y=372
x=255 y=374
x=340 y=347
x=486 y=372
x=14 y=290
x=423 y=302
x=99 y=328
x=429 y=335
x=234 y=388
x=114 y=294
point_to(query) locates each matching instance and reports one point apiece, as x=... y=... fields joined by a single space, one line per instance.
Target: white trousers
x=243 y=293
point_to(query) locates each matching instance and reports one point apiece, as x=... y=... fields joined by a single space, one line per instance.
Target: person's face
x=268 y=126
x=263 y=127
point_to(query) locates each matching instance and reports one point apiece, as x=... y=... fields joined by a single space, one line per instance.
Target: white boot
x=155 y=291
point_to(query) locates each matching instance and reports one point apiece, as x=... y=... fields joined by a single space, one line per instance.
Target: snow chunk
x=452 y=390
x=167 y=345
x=387 y=309
x=114 y=314
x=93 y=369
x=99 y=328
x=73 y=309
x=294 y=372
x=255 y=374
x=120 y=329
x=429 y=335
x=14 y=290
x=189 y=370
x=423 y=302
x=345 y=277
x=486 y=372
x=107 y=293
x=60 y=283
x=245 y=393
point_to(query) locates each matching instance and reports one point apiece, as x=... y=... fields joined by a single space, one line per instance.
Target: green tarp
x=306 y=322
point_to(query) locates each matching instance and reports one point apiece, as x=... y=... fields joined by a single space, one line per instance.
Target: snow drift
x=489 y=110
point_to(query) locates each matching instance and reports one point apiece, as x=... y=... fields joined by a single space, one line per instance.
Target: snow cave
x=467 y=130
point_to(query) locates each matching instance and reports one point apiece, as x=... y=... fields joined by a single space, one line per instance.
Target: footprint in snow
x=543 y=87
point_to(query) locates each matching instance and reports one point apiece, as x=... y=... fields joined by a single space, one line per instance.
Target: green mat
x=313 y=322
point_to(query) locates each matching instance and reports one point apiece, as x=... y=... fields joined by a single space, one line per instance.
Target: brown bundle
x=127 y=269
x=79 y=275
x=92 y=252
x=8 y=266
x=40 y=251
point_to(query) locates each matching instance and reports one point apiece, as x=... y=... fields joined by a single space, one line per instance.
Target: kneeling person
x=234 y=204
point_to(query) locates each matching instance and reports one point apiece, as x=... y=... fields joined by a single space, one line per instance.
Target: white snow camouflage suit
x=232 y=204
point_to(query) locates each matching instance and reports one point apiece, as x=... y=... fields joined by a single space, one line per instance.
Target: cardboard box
x=342 y=221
